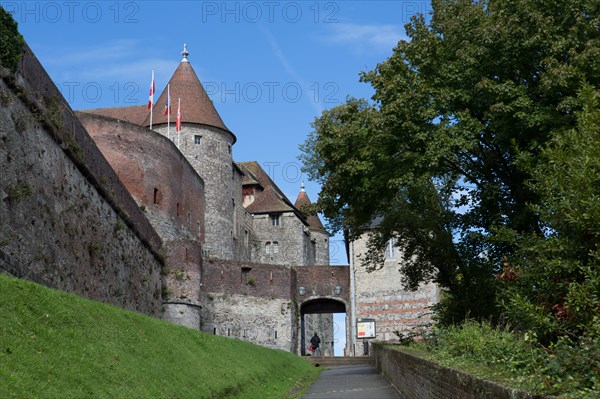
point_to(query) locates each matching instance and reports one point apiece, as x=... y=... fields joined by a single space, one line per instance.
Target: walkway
x=351 y=382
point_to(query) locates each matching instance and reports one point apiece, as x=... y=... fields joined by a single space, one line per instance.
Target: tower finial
x=302 y=188
x=185 y=53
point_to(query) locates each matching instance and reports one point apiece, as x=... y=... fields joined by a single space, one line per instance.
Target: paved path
x=350 y=382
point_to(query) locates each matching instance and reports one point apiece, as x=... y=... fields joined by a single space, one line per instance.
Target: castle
x=238 y=214
x=167 y=223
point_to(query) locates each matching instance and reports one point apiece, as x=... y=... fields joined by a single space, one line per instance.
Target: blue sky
x=270 y=67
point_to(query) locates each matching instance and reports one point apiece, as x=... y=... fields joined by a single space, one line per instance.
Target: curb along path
x=349 y=382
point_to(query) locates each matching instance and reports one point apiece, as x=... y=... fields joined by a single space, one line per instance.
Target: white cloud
x=290 y=70
x=366 y=38
x=119 y=60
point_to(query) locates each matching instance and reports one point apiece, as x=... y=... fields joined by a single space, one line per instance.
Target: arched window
x=268 y=247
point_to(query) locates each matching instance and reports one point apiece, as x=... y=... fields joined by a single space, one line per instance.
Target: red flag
x=179 y=115
x=151 y=97
x=168 y=103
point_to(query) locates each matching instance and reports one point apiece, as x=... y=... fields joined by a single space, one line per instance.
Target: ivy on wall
x=11 y=41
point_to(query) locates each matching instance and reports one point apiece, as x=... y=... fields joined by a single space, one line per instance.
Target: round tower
x=319 y=236
x=207 y=144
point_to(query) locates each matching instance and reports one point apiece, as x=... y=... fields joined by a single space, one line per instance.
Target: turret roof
x=314 y=223
x=196 y=106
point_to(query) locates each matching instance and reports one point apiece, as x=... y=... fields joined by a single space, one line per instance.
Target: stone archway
x=320 y=306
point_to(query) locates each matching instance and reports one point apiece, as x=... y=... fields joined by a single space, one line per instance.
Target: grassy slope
x=54 y=344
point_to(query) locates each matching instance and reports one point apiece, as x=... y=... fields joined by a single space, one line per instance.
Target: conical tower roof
x=314 y=223
x=196 y=106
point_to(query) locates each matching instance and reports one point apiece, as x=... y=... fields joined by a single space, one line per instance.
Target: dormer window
x=275 y=220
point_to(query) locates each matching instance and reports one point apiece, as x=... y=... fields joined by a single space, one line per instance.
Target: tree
x=553 y=278
x=437 y=152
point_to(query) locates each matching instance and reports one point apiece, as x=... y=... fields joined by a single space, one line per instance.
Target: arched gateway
x=322 y=291
x=321 y=311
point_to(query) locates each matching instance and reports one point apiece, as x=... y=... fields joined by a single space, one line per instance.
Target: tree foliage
x=554 y=283
x=454 y=132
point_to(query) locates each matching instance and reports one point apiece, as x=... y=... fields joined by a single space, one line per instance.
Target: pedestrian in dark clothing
x=315 y=341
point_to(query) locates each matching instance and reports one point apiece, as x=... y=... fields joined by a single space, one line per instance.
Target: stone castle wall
x=66 y=221
x=243 y=226
x=249 y=301
x=208 y=150
x=182 y=299
x=290 y=237
x=171 y=194
x=322 y=247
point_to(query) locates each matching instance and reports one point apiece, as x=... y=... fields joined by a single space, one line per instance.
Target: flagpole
x=169 y=111
x=152 y=98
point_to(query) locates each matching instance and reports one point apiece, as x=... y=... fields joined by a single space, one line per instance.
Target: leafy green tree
x=553 y=279
x=437 y=152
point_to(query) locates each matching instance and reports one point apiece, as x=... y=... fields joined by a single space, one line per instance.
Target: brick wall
x=244 y=278
x=156 y=174
x=417 y=378
x=320 y=281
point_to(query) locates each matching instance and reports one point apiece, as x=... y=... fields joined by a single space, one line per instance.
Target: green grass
x=567 y=369
x=58 y=345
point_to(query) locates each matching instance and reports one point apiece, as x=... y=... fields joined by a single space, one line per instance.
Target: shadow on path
x=349 y=382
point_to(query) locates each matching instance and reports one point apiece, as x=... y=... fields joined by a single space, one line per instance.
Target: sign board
x=365 y=328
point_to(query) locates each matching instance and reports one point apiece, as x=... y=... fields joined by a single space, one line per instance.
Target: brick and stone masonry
x=380 y=296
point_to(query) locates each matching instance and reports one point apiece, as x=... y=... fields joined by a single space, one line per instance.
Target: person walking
x=315 y=341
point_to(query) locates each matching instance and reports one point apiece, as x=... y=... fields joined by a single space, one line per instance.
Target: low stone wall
x=417 y=378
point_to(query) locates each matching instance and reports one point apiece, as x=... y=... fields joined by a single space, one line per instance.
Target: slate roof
x=314 y=223
x=196 y=106
x=270 y=199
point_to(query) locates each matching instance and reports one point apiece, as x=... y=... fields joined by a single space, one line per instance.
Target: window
x=235 y=223
x=157 y=196
x=197 y=139
x=275 y=221
x=275 y=247
x=390 y=248
x=268 y=247
x=245 y=274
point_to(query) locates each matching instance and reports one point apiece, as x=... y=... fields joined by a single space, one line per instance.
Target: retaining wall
x=417 y=378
